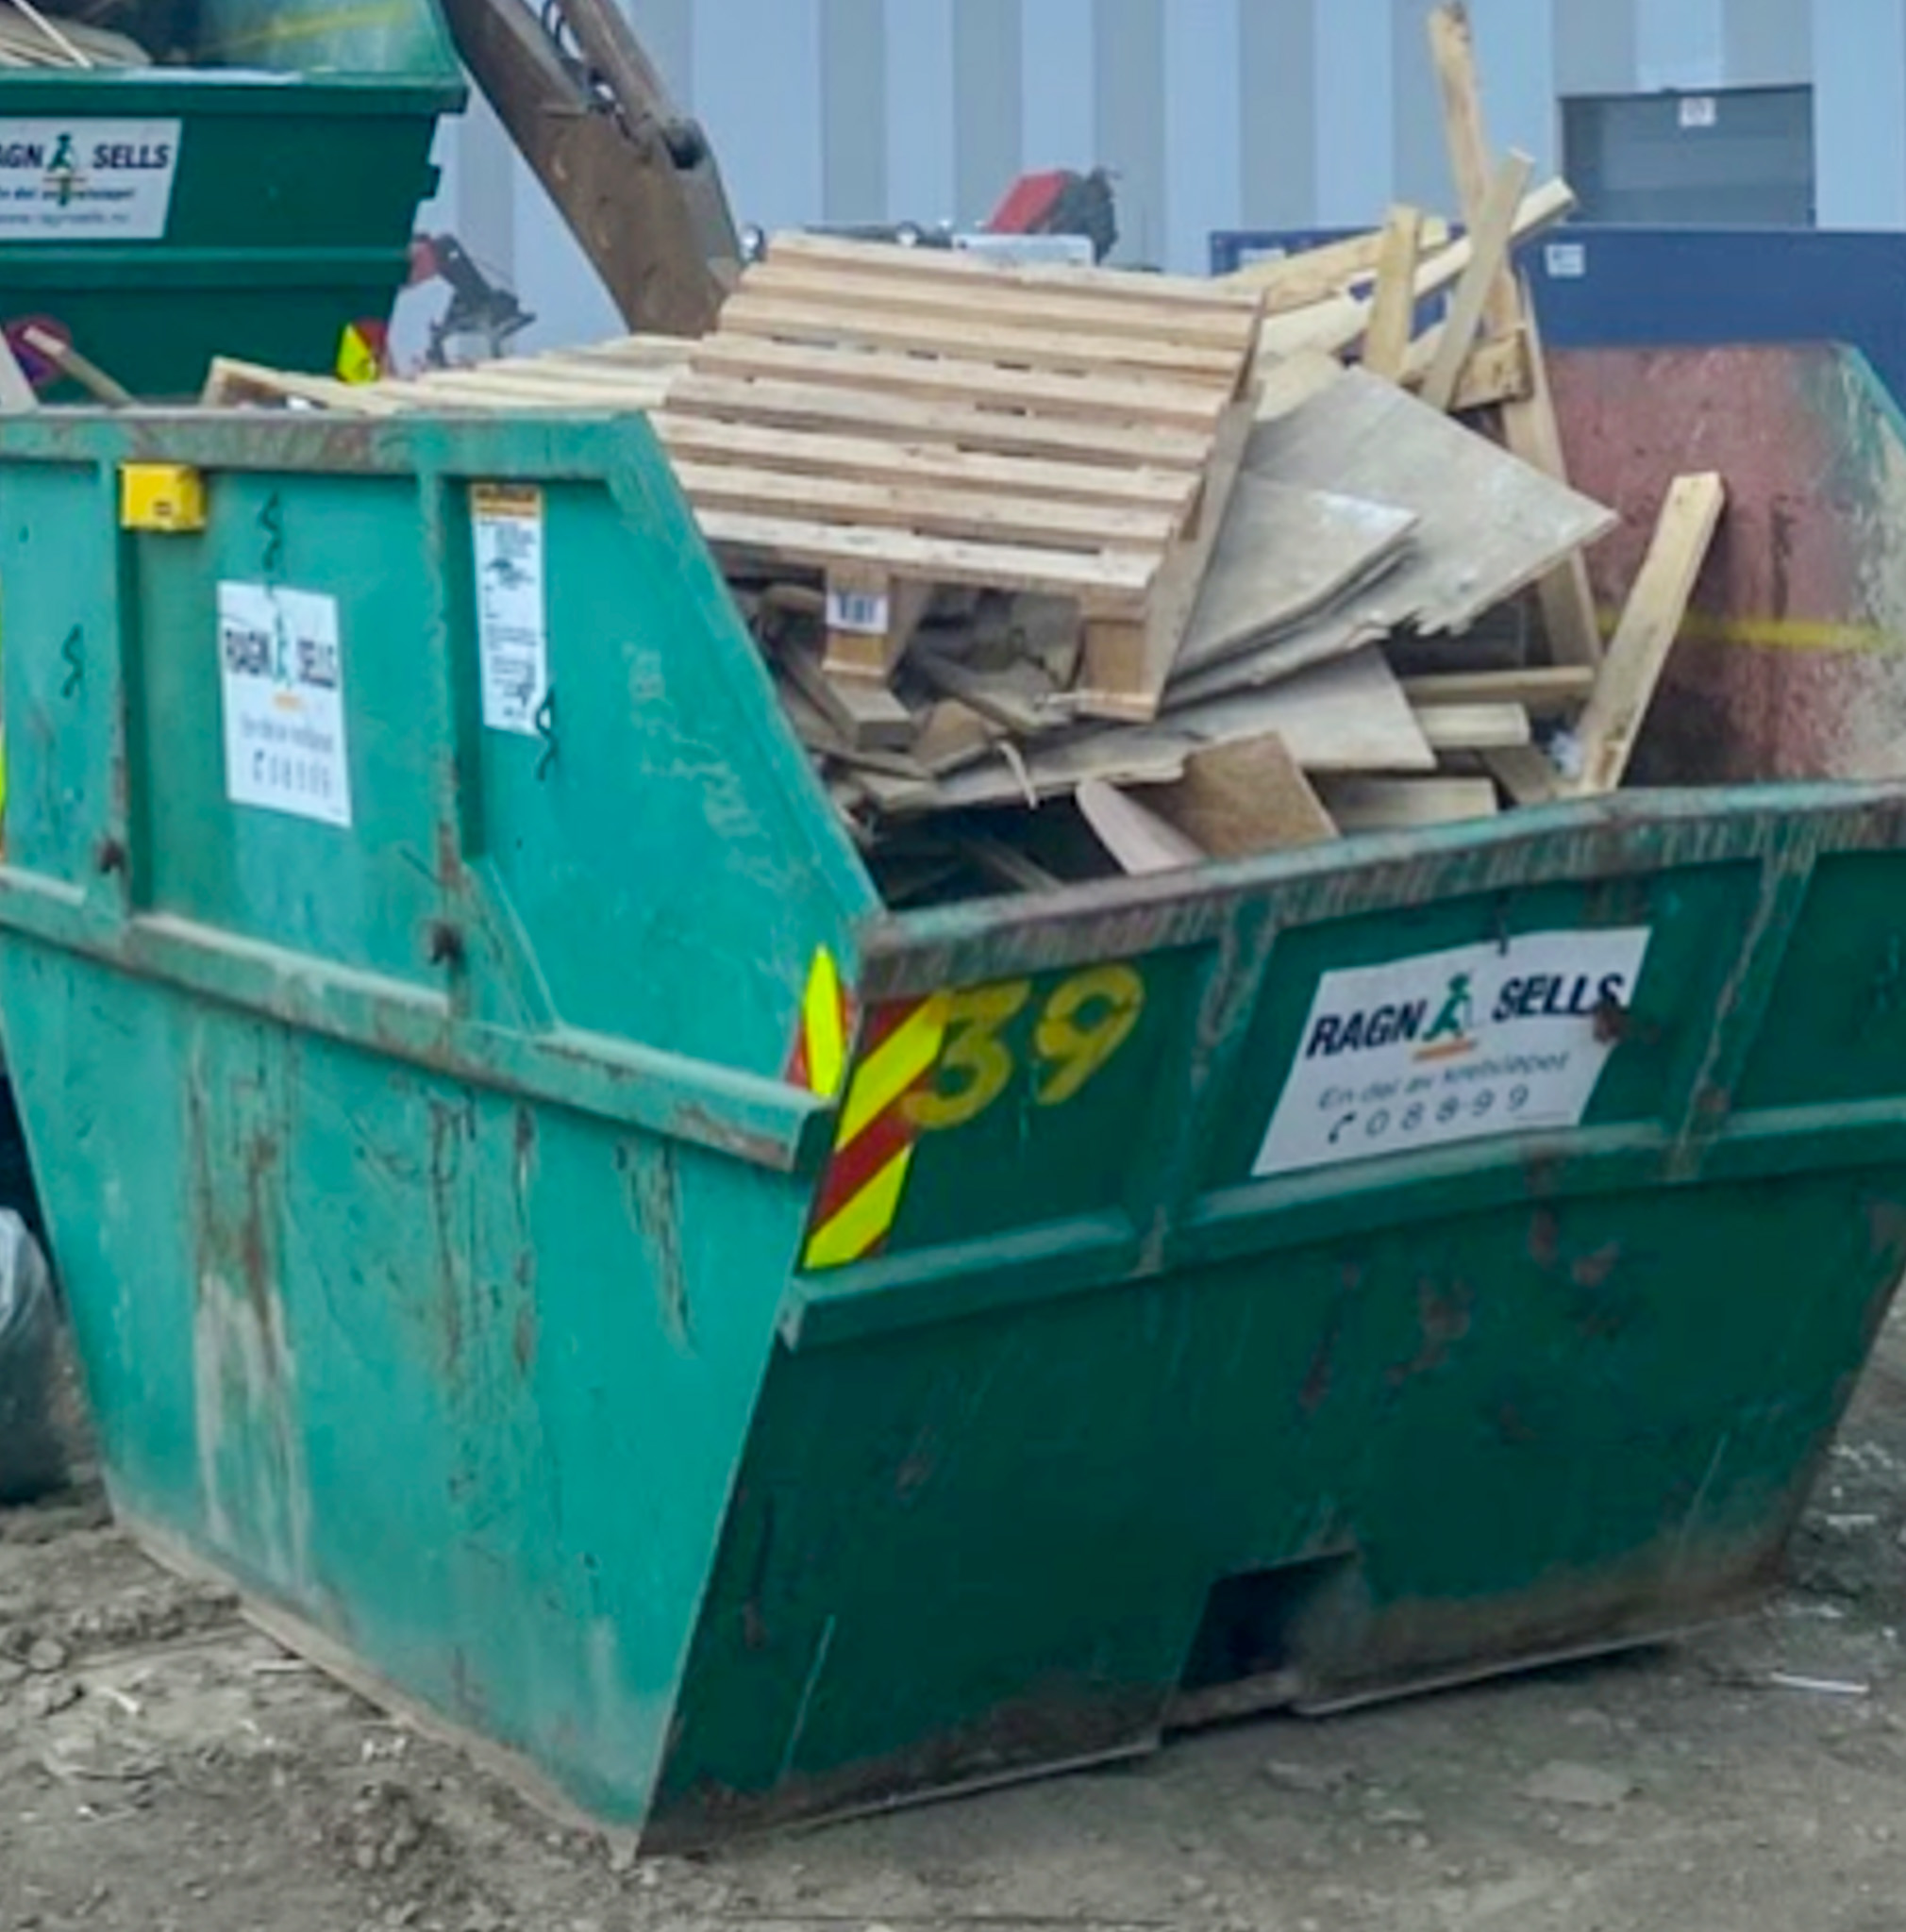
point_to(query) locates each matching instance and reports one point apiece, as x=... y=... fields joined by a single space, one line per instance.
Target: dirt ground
x=165 y=1768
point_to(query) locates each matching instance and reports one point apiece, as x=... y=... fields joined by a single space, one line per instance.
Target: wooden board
x=1489 y=243
x=1650 y=621
x=1544 y=690
x=876 y=260
x=1528 y=427
x=1121 y=398
x=1345 y=717
x=1526 y=772
x=1487 y=526
x=1315 y=274
x=1011 y=343
x=987 y=512
x=1055 y=306
x=866 y=459
x=954 y=425
x=1473 y=728
x=1340 y=323
x=1115 y=583
x=1287 y=552
x=1393 y=306
x=1138 y=839
x=1394 y=804
x=1239 y=799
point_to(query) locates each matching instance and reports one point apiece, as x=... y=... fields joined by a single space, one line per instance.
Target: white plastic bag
x=31 y=1458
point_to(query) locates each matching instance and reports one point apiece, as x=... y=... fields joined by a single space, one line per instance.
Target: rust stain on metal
x=1593 y=1271
x=450 y=1124
x=1443 y=1319
x=1545 y=1237
x=648 y=1168
x=1316 y=1387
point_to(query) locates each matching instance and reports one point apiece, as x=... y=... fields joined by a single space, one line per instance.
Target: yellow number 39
x=1083 y=1024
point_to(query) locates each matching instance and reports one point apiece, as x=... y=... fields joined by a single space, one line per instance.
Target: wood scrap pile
x=61 y=37
x=1059 y=570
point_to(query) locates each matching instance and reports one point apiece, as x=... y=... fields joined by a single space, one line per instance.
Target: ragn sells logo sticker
x=1452 y=1046
x=282 y=672
x=87 y=180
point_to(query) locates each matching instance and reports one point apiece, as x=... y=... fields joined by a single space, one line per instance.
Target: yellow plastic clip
x=168 y=497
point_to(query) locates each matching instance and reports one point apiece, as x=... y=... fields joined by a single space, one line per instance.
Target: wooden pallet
x=901 y=420
x=895 y=422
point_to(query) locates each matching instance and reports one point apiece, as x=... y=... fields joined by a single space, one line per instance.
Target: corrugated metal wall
x=1214 y=113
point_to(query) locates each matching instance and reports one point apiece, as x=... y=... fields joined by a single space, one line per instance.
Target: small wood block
x=870 y=621
x=1393 y=805
x=1526 y=773
x=867 y=714
x=1473 y=728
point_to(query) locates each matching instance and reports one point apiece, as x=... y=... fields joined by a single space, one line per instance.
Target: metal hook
x=271 y=521
x=73 y=657
x=544 y=722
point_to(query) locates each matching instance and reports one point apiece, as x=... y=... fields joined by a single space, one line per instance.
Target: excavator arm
x=635 y=181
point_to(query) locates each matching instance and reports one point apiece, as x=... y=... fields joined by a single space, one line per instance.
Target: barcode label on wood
x=865 y=613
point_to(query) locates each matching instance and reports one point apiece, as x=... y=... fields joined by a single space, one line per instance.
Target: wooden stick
x=1393 y=313
x=1468 y=306
x=1528 y=427
x=79 y=57
x=16 y=392
x=1650 y=621
x=74 y=366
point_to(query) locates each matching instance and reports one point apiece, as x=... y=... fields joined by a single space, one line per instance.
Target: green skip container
x=258 y=202
x=542 y=1227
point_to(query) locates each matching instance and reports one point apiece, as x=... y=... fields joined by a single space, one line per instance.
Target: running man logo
x=63 y=179
x=1453 y=1034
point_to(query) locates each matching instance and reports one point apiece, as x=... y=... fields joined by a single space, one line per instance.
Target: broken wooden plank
x=1314 y=274
x=1339 y=325
x=1487 y=526
x=76 y=368
x=1650 y=621
x=1237 y=800
x=1285 y=553
x=1496 y=373
x=1393 y=308
x=1526 y=773
x=1489 y=243
x=1528 y=427
x=1544 y=690
x=1395 y=805
x=1138 y=839
x=1473 y=728
x=1017 y=697
x=1348 y=716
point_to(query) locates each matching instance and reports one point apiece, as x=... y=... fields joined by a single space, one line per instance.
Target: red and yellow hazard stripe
x=875 y=1140
x=819 y=1059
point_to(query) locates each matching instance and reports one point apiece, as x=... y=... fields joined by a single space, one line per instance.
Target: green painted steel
x=298 y=153
x=432 y=1190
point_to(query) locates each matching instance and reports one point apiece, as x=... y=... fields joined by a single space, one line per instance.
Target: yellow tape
x=822 y=1019
x=1778 y=633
